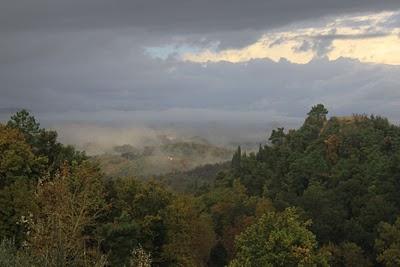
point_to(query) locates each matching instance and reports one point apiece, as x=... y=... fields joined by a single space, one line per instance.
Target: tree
x=17 y=205
x=318 y=113
x=346 y=254
x=44 y=142
x=278 y=239
x=343 y=172
x=314 y=123
x=190 y=235
x=19 y=171
x=26 y=123
x=277 y=136
x=69 y=205
x=11 y=256
x=236 y=162
x=135 y=217
x=118 y=236
x=17 y=162
x=387 y=245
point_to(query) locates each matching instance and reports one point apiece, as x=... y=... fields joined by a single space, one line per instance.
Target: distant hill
x=195 y=180
x=169 y=157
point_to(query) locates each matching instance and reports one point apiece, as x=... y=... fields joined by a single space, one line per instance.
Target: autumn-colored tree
x=332 y=148
x=69 y=205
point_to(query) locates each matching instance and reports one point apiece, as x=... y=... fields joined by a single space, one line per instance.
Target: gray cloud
x=322 y=44
x=351 y=36
x=151 y=90
x=393 y=21
x=173 y=16
x=110 y=81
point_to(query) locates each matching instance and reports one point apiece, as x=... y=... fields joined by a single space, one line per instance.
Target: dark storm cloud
x=173 y=16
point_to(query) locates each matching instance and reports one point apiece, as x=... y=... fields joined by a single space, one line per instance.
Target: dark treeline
x=325 y=194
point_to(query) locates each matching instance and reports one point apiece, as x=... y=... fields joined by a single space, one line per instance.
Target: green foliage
x=19 y=171
x=318 y=113
x=277 y=137
x=26 y=123
x=44 y=142
x=196 y=181
x=17 y=205
x=346 y=254
x=119 y=237
x=236 y=161
x=189 y=235
x=278 y=239
x=10 y=256
x=343 y=172
x=17 y=162
x=387 y=244
x=232 y=210
x=136 y=217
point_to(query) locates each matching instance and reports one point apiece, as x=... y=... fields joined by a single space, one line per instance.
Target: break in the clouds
x=146 y=62
x=369 y=38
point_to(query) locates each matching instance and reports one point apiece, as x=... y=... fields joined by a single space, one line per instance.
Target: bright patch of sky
x=373 y=38
x=165 y=51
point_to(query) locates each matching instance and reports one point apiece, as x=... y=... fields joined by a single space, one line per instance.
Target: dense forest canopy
x=325 y=194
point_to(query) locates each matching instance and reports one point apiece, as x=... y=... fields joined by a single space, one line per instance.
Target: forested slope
x=343 y=173
x=325 y=194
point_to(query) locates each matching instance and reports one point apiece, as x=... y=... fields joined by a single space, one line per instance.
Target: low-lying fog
x=100 y=132
x=102 y=138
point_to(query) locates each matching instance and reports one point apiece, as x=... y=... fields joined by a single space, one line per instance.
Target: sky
x=235 y=63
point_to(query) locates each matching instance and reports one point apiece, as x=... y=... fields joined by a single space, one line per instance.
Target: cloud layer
x=185 y=91
x=369 y=38
x=175 y=15
x=149 y=62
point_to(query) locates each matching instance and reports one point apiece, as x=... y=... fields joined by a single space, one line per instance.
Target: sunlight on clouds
x=364 y=37
x=384 y=50
x=263 y=48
